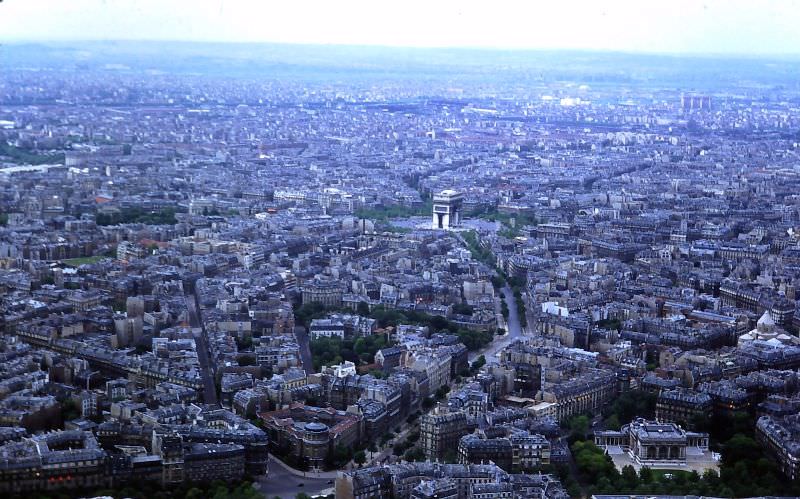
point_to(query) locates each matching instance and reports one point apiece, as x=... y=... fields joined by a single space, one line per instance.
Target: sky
x=660 y=26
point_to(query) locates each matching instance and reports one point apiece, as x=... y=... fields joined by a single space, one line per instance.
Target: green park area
x=22 y=156
x=85 y=260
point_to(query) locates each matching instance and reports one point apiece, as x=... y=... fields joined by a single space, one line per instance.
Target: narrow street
x=514 y=325
x=513 y=330
x=207 y=370
x=388 y=453
x=285 y=482
x=304 y=343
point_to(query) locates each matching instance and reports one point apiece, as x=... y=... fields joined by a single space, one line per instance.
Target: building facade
x=441 y=432
x=653 y=443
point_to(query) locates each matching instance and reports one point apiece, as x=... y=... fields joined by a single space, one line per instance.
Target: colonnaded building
x=657 y=445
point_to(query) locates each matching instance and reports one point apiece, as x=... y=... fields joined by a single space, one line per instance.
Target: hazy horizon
x=400 y=48
x=682 y=28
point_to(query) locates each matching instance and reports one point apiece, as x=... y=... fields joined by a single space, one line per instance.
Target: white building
x=327 y=328
x=447 y=209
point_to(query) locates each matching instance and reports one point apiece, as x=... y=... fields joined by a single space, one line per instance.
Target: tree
x=498 y=281
x=439 y=323
x=579 y=427
x=629 y=478
x=360 y=458
x=305 y=313
x=738 y=449
x=724 y=426
x=632 y=404
x=194 y=493
x=327 y=351
x=244 y=343
x=220 y=491
x=414 y=454
x=604 y=485
x=478 y=364
x=574 y=490
x=360 y=346
x=70 y=410
x=463 y=309
x=612 y=422
x=246 y=360
x=362 y=308
x=592 y=462
x=341 y=454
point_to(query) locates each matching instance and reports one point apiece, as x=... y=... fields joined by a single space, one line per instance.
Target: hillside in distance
x=315 y=62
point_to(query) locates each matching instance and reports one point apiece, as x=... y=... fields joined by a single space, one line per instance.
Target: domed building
x=769 y=332
x=308 y=435
x=315 y=441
